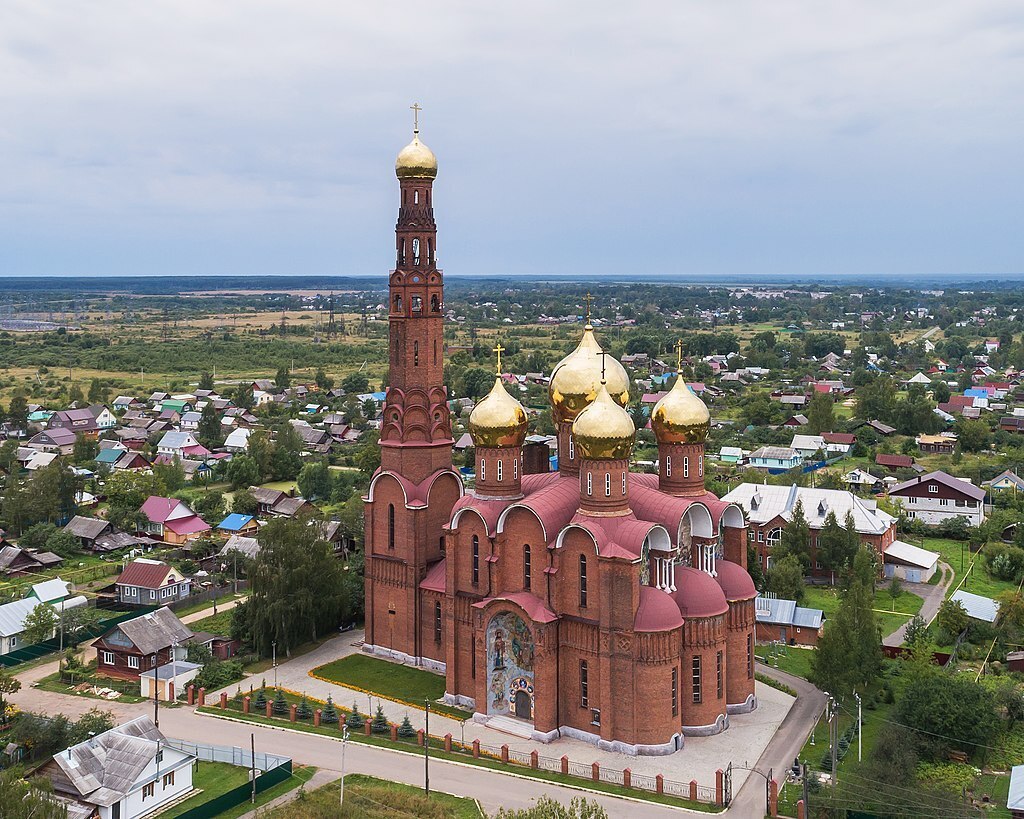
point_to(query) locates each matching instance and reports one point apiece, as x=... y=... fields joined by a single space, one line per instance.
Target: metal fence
x=232 y=755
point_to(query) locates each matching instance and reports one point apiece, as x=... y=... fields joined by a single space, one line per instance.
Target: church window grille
x=398 y=304
x=500 y=462
x=391 y=526
x=583 y=581
x=515 y=469
x=675 y=692
x=700 y=465
x=607 y=484
x=750 y=656
x=718 y=673
x=437 y=623
x=686 y=466
x=527 y=567
x=623 y=483
x=572 y=449
x=476 y=560
x=668 y=466
x=584 y=685
x=696 y=678
x=417 y=304
x=483 y=469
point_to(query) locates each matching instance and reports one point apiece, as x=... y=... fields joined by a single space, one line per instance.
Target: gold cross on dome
x=499 y=350
x=588 y=298
x=415 y=107
x=679 y=355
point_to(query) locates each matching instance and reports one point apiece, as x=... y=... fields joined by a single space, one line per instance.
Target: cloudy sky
x=678 y=138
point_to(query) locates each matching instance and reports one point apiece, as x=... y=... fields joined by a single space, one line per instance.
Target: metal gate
x=727 y=786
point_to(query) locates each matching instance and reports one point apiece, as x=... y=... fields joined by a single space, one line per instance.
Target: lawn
x=301 y=774
x=213 y=779
x=906 y=605
x=390 y=680
x=367 y=797
x=219 y=623
x=791 y=659
x=208 y=604
x=979 y=581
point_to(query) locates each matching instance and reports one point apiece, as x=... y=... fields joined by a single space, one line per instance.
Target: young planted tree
x=405 y=730
x=355 y=720
x=280 y=706
x=329 y=715
x=380 y=724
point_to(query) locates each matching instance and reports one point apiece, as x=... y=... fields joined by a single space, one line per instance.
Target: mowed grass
x=906 y=605
x=791 y=659
x=979 y=581
x=219 y=623
x=367 y=797
x=400 y=682
x=213 y=779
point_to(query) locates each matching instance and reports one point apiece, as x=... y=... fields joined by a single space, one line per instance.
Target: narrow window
x=675 y=692
x=416 y=197
x=415 y=251
x=500 y=462
x=583 y=581
x=435 y=304
x=483 y=469
x=476 y=560
x=169 y=779
x=430 y=251
x=700 y=465
x=686 y=466
x=750 y=656
x=417 y=304
x=527 y=568
x=607 y=484
x=391 y=526
x=437 y=623
x=584 y=685
x=440 y=544
x=415 y=354
x=718 y=673
x=696 y=678
x=668 y=466
x=572 y=449
x=623 y=483
x=472 y=660
x=515 y=468
x=590 y=483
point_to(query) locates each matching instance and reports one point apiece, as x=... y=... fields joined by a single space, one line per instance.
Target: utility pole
x=426 y=750
x=274 y=662
x=859 y=724
x=344 y=742
x=834 y=739
x=156 y=692
x=807 y=791
x=252 y=746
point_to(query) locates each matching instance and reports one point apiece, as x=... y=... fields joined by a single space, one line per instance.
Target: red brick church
x=592 y=602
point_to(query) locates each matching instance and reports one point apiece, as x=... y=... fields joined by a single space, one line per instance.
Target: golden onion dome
x=416 y=161
x=498 y=420
x=603 y=430
x=680 y=417
x=577 y=377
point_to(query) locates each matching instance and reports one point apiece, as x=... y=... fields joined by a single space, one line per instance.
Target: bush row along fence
x=272 y=770
x=594 y=772
x=32 y=652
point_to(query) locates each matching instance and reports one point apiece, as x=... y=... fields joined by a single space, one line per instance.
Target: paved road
x=933 y=595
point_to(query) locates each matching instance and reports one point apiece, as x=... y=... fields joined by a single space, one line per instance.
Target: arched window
x=430 y=251
x=583 y=581
x=437 y=622
x=700 y=465
x=696 y=680
x=415 y=251
x=435 y=304
x=526 y=567
x=515 y=468
x=415 y=354
x=773 y=538
x=668 y=466
x=398 y=303
x=435 y=351
x=476 y=559
x=391 y=526
x=584 y=685
x=686 y=466
x=417 y=304
x=572 y=448
x=416 y=197
x=675 y=691
x=500 y=462
x=607 y=484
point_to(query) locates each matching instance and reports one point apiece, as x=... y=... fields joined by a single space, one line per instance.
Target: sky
x=675 y=139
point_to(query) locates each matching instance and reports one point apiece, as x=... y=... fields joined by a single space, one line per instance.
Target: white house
x=190 y=421
x=125 y=773
x=909 y=562
x=175 y=443
x=937 y=497
x=775 y=457
x=859 y=477
x=807 y=445
x=237 y=440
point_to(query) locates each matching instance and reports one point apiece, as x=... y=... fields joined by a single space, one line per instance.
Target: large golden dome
x=680 y=417
x=416 y=161
x=498 y=420
x=577 y=377
x=603 y=430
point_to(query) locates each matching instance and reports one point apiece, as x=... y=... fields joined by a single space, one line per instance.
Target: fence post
x=191 y=695
x=224 y=699
x=504 y=754
x=659 y=784
x=719 y=790
x=245 y=705
x=693 y=790
x=291 y=712
x=394 y=732
x=476 y=749
x=316 y=718
x=565 y=765
x=627 y=778
x=419 y=737
x=534 y=760
x=595 y=772
x=773 y=798
x=367 y=727
x=270 y=709
x=801 y=811
x=202 y=696
x=448 y=743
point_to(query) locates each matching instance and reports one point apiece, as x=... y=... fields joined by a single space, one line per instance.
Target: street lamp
x=274 y=661
x=344 y=742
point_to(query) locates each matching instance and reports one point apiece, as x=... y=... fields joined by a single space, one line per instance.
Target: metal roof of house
x=155 y=631
x=89 y=528
x=248 y=546
x=173 y=670
x=976 y=606
x=774 y=611
x=50 y=590
x=12 y=616
x=962 y=486
x=148 y=574
x=234 y=522
x=914 y=555
x=763 y=502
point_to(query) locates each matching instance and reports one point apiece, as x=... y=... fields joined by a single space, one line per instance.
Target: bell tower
x=416 y=435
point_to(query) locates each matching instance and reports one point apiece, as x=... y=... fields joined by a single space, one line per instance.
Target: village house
x=144 y=642
x=147 y=582
x=172 y=520
x=784 y=621
x=775 y=458
x=59 y=440
x=127 y=772
x=938 y=497
x=279 y=504
x=236 y=524
x=16 y=561
x=936 y=444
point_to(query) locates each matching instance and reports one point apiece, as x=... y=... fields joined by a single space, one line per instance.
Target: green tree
x=28 y=799
x=940 y=392
x=54 y=490
x=754 y=566
x=85 y=449
x=324 y=382
x=209 y=430
x=243 y=396
x=286 y=460
x=547 y=808
x=283 y=379
x=405 y=730
x=243 y=472
x=17 y=412
x=820 y=413
x=948 y=711
x=9 y=684
x=786 y=578
x=40 y=623
x=849 y=653
x=916 y=631
x=367 y=456
x=296 y=584
x=171 y=475
x=97 y=392
x=205 y=381
x=973 y=436
x=895 y=590
x=329 y=715
x=260 y=448
x=315 y=481
x=75 y=395
x=355 y=384
x=63 y=543
x=952 y=618
x=796 y=538
x=244 y=502
x=126 y=492
x=832 y=541
x=280 y=705
x=380 y=724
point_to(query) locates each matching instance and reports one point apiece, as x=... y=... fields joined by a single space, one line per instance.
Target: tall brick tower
x=411 y=496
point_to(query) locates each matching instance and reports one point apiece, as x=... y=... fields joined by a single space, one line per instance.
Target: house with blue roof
x=785 y=621
x=237 y=524
x=109 y=456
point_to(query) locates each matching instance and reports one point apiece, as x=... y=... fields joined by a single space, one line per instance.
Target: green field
x=906 y=605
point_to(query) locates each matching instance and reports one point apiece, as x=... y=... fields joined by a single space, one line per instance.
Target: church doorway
x=522 y=705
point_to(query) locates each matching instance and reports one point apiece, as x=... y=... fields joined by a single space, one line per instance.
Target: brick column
x=448 y=742
x=170 y=691
x=291 y=713
x=419 y=737
x=773 y=798
x=245 y=705
x=534 y=760
x=693 y=790
x=367 y=727
x=659 y=784
x=565 y=765
x=316 y=718
x=719 y=787
x=627 y=778
x=202 y=696
x=191 y=695
x=801 y=811
x=595 y=772
x=270 y=709
x=394 y=732
x=223 y=699
x=504 y=754
x=476 y=749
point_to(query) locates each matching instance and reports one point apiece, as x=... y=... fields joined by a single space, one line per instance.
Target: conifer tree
x=380 y=724
x=329 y=715
x=304 y=710
x=280 y=706
x=796 y=538
x=405 y=730
x=355 y=719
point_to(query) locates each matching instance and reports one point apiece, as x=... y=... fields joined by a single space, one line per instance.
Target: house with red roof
x=172 y=520
x=147 y=582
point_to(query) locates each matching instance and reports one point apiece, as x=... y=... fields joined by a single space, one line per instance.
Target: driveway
x=933 y=595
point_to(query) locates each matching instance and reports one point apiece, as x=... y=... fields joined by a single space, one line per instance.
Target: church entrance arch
x=510 y=654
